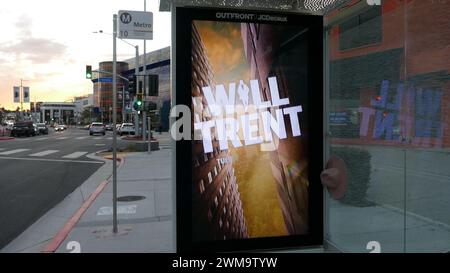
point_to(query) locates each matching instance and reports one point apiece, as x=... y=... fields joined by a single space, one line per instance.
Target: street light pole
x=114 y=144
x=136 y=72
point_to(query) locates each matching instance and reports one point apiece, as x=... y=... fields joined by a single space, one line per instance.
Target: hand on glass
x=335 y=177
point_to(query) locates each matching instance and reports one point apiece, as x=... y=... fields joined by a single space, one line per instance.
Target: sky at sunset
x=48 y=43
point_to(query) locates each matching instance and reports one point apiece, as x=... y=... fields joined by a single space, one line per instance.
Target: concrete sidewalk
x=145 y=224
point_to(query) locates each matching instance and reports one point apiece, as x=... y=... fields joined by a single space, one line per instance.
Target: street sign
x=135 y=25
x=104 y=79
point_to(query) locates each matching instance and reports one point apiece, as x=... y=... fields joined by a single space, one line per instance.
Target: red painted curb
x=6 y=138
x=68 y=226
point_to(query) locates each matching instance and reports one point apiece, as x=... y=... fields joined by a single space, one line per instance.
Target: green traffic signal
x=88 y=72
x=139 y=103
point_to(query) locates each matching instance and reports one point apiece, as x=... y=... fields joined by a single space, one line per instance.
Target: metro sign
x=135 y=25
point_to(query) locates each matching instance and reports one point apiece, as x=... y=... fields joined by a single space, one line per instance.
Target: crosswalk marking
x=44 y=153
x=42 y=138
x=75 y=155
x=14 y=151
x=82 y=137
x=61 y=137
x=98 y=138
x=109 y=138
x=1 y=149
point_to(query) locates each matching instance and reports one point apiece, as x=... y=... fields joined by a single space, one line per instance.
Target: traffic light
x=132 y=85
x=153 y=85
x=88 y=72
x=138 y=103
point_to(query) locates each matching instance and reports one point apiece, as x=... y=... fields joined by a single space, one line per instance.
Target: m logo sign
x=125 y=18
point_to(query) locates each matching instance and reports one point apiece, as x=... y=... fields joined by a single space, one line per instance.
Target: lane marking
x=44 y=153
x=75 y=155
x=61 y=137
x=14 y=151
x=42 y=138
x=100 y=144
x=51 y=160
x=81 y=137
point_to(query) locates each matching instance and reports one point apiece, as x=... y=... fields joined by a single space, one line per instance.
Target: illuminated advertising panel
x=250 y=176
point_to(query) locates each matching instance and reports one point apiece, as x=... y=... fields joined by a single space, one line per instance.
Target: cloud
x=24 y=25
x=36 y=50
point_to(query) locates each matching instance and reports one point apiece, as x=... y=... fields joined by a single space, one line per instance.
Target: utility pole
x=114 y=144
x=144 y=116
x=136 y=72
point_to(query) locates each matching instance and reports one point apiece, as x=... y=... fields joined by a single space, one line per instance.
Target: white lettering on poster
x=243 y=114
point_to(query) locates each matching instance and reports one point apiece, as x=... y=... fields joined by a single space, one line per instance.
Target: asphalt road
x=36 y=173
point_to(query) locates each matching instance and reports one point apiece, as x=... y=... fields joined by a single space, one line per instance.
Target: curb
x=56 y=241
x=6 y=138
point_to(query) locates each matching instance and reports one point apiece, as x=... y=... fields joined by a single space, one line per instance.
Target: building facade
x=54 y=112
x=157 y=63
x=102 y=94
x=217 y=206
x=274 y=52
x=390 y=76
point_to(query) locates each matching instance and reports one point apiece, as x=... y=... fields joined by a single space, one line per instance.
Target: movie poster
x=250 y=153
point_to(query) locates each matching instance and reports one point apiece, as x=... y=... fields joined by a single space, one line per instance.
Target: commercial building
x=390 y=76
x=83 y=103
x=102 y=94
x=157 y=63
x=53 y=112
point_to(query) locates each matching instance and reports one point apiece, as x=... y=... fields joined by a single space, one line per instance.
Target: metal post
x=149 y=133
x=123 y=104
x=136 y=116
x=144 y=90
x=144 y=127
x=114 y=144
x=21 y=96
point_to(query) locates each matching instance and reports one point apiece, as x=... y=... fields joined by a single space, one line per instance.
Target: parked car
x=23 y=129
x=42 y=127
x=97 y=128
x=126 y=128
x=59 y=128
x=35 y=130
x=109 y=127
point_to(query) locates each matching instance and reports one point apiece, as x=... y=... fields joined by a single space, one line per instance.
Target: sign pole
x=149 y=134
x=114 y=144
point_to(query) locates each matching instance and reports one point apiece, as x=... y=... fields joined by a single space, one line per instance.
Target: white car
x=126 y=128
x=60 y=128
x=97 y=128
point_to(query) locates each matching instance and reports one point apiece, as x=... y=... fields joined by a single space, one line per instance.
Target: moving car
x=23 y=129
x=126 y=128
x=42 y=127
x=59 y=128
x=97 y=128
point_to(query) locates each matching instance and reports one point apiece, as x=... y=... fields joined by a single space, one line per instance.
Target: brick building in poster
x=281 y=51
x=407 y=100
x=217 y=209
